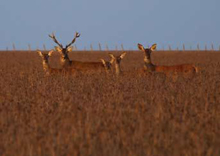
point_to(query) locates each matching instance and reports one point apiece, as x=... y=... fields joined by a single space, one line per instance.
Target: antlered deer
x=78 y=65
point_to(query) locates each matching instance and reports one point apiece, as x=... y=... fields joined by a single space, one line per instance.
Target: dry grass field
x=100 y=115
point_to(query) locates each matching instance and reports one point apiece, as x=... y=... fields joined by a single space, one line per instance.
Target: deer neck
x=148 y=65
x=46 y=66
x=117 y=69
x=65 y=61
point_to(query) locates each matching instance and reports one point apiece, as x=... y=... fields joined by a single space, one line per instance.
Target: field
x=100 y=115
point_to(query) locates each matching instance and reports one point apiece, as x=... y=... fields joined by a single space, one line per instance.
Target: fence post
x=13 y=46
x=106 y=46
x=198 y=48
x=100 y=47
x=169 y=47
x=206 y=47
x=122 y=47
x=44 y=46
x=29 y=47
x=116 y=47
x=75 y=47
x=91 y=48
x=212 y=47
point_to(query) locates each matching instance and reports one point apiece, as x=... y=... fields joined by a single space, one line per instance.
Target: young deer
x=184 y=69
x=117 y=60
x=48 y=70
x=78 y=65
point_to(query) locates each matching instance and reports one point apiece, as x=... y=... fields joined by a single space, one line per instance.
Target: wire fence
x=120 y=47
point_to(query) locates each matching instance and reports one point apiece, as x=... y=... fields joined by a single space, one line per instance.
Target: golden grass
x=97 y=115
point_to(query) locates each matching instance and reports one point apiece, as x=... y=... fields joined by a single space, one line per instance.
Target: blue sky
x=111 y=22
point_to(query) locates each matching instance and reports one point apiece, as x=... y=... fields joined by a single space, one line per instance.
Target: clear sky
x=113 y=22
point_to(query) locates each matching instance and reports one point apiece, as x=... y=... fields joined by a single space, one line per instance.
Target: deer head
x=45 y=56
x=64 y=50
x=117 y=61
x=147 y=52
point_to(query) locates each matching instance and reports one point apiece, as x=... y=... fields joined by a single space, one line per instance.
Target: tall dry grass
x=104 y=115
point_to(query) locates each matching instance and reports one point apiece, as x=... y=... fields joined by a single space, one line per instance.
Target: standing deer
x=175 y=70
x=49 y=70
x=78 y=65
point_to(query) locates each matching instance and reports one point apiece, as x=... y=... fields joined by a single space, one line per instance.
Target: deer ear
x=69 y=49
x=123 y=55
x=112 y=61
x=111 y=55
x=153 y=47
x=103 y=61
x=141 y=47
x=58 y=49
x=40 y=53
x=50 y=52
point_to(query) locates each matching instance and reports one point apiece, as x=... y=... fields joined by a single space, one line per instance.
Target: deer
x=78 y=65
x=49 y=70
x=117 y=61
x=107 y=65
x=175 y=70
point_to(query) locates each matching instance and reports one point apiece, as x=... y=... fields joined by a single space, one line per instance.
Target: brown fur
x=77 y=65
x=183 y=69
x=51 y=71
x=83 y=66
x=117 y=61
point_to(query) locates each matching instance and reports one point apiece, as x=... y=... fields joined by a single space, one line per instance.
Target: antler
x=55 y=40
x=76 y=36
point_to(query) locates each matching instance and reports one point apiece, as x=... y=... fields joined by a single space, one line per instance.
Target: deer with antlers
x=65 y=61
x=175 y=70
x=78 y=65
x=49 y=70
